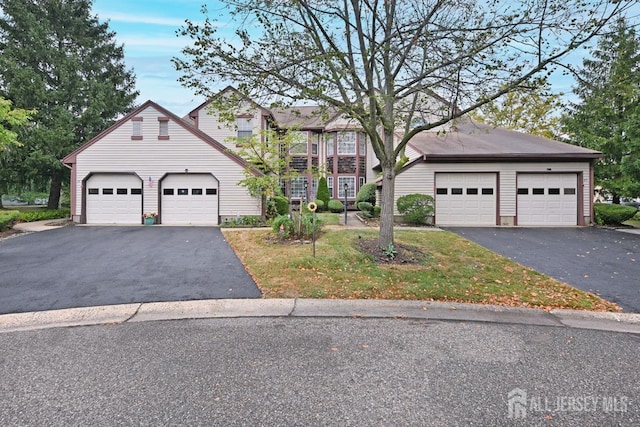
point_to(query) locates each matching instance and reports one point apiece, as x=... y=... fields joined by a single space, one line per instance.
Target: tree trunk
x=386 y=214
x=1 y=205
x=54 y=191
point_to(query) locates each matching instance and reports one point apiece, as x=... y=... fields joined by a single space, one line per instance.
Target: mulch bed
x=405 y=254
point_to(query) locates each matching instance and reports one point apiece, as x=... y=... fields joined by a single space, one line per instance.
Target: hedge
x=612 y=214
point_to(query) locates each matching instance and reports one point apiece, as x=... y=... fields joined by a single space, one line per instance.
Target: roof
x=303 y=117
x=228 y=89
x=71 y=157
x=472 y=141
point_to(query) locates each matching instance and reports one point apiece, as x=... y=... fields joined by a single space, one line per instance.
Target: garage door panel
x=466 y=198
x=547 y=199
x=114 y=199
x=190 y=199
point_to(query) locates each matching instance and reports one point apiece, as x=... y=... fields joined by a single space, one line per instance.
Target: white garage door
x=114 y=199
x=466 y=199
x=547 y=199
x=189 y=199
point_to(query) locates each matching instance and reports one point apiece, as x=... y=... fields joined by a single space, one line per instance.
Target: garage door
x=466 y=199
x=114 y=199
x=189 y=199
x=547 y=199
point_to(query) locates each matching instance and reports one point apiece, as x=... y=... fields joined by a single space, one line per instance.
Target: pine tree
x=56 y=58
x=607 y=116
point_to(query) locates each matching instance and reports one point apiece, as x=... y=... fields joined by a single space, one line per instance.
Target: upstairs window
x=245 y=126
x=299 y=143
x=136 y=132
x=163 y=128
x=330 y=139
x=347 y=143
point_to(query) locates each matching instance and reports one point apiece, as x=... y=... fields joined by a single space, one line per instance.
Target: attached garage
x=113 y=199
x=189 y=199
x=466 y=198
x=547 y=199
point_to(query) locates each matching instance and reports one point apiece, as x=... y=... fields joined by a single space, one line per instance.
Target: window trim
x=163 y=128
x=352 y=187
x=136 y=131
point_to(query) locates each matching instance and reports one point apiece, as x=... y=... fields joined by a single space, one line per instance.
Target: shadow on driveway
x=90 y=266
x=602 y=261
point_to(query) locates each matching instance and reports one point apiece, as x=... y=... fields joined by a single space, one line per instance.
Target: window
x=168 y=191
x=122 y=191
x=487 y=191
x=330 y=185
x=196 y=191
x=456 y=191
x=523 y=191
x=472 y=191
x=93 y=191
x=245 y=126
x=361 y=181
x=351 y=183
x=183 y=191
x=299 y=145
x=538 y=191
x=554 y=191
x=163 y=131
x=107 y=191
x=442 y=191
x=297 y=188
x=315 y=141
x=569 y=191
x=362 y=146
x=347 y=143
x=136 y=132
x=330 y=139
x=212 y=191
x=136 y=191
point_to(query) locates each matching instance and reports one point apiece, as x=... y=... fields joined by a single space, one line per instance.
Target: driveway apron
x=603 y=261
x=88 y=266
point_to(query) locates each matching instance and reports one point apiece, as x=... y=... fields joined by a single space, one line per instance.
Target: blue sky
x=147 y=28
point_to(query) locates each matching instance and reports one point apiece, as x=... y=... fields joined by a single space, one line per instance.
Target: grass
x=454 y=269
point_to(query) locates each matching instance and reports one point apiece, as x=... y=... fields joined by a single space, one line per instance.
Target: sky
x=147 y=28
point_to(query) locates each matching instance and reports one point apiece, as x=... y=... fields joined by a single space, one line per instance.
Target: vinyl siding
x=153 y=158
x=221 y=131
x=420 y=178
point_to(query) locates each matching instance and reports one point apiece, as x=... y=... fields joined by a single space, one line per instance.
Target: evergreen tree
x=323 y=192
x=607 y=116
x=57 y=58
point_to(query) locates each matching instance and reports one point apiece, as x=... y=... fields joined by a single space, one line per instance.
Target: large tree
x=606 y=116
x=384 y=62
x=531 y=109
x=57 y=58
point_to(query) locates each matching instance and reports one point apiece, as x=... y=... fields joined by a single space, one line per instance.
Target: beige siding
x=153 y=158
x=420 y=178
x=222 y=131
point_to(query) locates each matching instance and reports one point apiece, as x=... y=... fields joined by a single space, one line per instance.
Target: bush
x=244 y=221
x=298 y=227
x=321 y=205
x=323 y=194
x=41 y=215
x=7 y=218
x=376 y=211
x=611 y=214
x=335 y=206
x=282 y=204
x=416 y=208
x=367 y=194
x=366 y=208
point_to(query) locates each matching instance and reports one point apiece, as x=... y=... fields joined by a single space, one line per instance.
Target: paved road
x=88 y=266
x=287 y=371
x=602 y=261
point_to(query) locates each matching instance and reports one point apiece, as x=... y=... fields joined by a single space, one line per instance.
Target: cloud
x=141 y=19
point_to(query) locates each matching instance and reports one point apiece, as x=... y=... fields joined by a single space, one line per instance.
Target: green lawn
x=451 y=269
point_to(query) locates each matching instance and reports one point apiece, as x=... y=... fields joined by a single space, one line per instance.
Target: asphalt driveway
x=603 y=261
x=90 y=266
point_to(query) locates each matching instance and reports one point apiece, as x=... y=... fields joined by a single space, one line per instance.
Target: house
x=152 y=161
x=188 y=171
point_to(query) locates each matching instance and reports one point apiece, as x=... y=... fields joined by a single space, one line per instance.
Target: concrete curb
x=390 y=309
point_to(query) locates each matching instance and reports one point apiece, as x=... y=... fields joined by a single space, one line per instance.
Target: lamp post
x=306 y=193
x=346 y=188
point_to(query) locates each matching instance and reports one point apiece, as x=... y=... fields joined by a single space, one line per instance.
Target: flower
x=150 y=215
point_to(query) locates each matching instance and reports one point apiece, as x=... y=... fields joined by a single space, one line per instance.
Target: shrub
x=416 y=208
x=366 y=208
x=612 y=214
x=41 y=215
x=7 y=218
x=296 y=227
x=376 y=211
x=367 y=194
x=323 y=194
x=282 y=204
x=321 y=205
x=271 y=210
x=335 y=206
